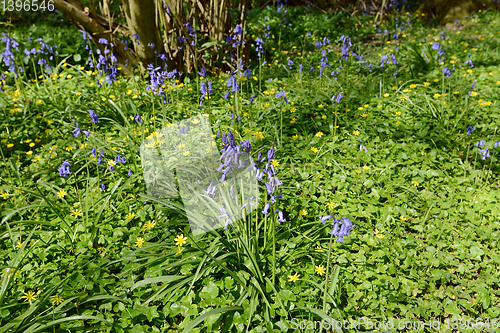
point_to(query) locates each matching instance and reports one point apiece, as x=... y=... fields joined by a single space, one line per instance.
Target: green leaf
x=198 y=320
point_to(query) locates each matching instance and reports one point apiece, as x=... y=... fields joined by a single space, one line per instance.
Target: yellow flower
x=364 y=115
x=498 y=82
x=403 y=218
x=180 y=240
x=295 y=136
x=398 y=113
x=4 y=194
x=314 y=149
x=356 y=132
x=57 y=300
x=379 y=106
x=29 y=296
x=139 y=242
x=358 y=171
x=29 y=152
x=293 y=120
x=436 y=95
x=398 y=123
x=10 y=145
x=360 y=108
x=303 y=212
x=77 y=213
x=473 y=94
x=415 y=183
x=111 y=163
x=323 y=117
x=19 y=245
x=413 y=86
x=293 y=278
x=366 y=167
x=427 y=84
x=380 y=236
x=320 y=270
x=275 y=163
x=319 y=134
x=330 y=205
x=130 y=216
x=386 y=95
x=61 y=193
x=149 y=225
x=186 y=153
x=320 y=106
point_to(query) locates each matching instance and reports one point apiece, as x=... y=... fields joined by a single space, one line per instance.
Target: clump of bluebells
x=236 y=158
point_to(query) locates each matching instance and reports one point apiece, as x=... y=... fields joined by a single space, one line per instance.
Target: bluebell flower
x=137 y=118
x=324 y=218
x=103 y=187
x=76 y=131
x=266 y=209
x=480 y=143
x=252 y=98
x=281 y=219
x=129 y=172
x=65 y=170
x=282 y=94
x=486 y=153
x=337 y=98
x=93 y=116
x=470 y=129
x=447 y=71
x=496 y=144
x=472 y=86
x=469 y=62
x=93 y=151
x=361 y=148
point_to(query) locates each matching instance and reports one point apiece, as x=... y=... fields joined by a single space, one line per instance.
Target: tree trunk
x=83 y=20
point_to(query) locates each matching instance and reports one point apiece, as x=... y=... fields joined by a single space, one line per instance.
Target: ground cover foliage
x=392 y=127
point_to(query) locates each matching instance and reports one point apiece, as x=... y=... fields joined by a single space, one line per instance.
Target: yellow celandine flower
x=360 y=108
x=19 y=245
x=386 y=95
x=415 y=183
x=366 y=167
x=111 y=163
x=356 y=132
x=186 y=153
x=139 y=242
x=10 y=145
x=314 y=149
x=293 y=120
x=149 y=225
x=320 y=270
x=293 y=278
x=275 y=163
x=380 y=236
x=130 y=216
x=319 y=134
x=29 y=296
x=330 y=205
x=427 y=84
x=413 y=86
x=323 y=117
x=473 y=94
x=180 y=240
x=295 y=136
x=4 y=194
x=303 y=212
x=57 y=300
x=398 y=113
x=403 y=218
x=358 y=171
x=77 y=213
x=320 y=106
x=379 y=106
x=61 y=193
x=364 y=115
x=398 y=123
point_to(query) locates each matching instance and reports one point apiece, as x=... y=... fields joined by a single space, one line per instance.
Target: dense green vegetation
x=402 y=142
